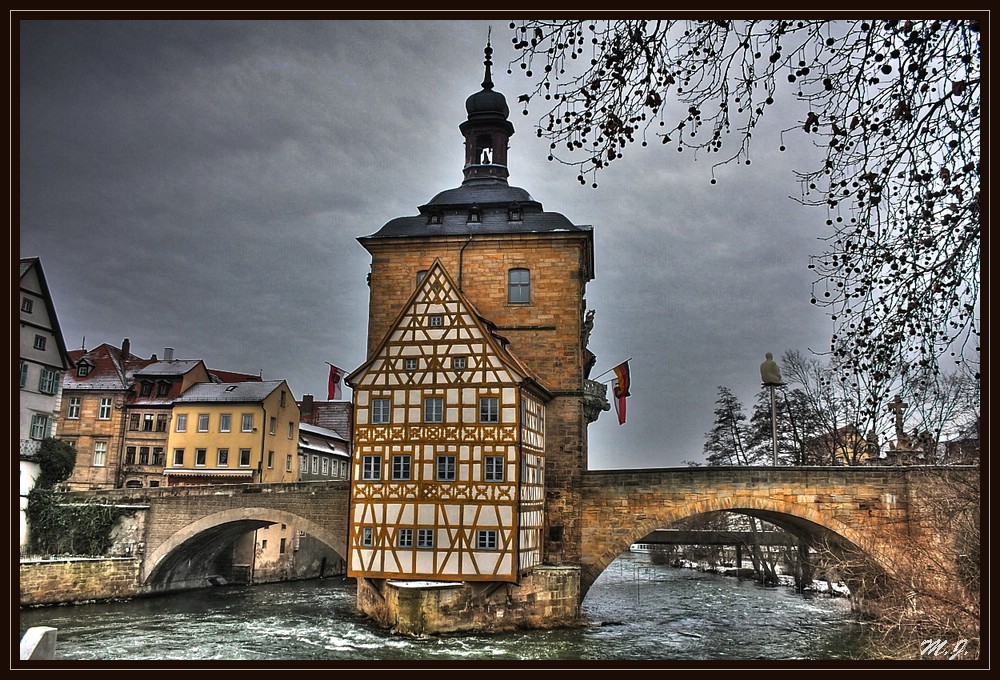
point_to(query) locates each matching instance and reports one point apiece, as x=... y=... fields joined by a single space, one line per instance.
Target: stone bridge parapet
x=878 y=510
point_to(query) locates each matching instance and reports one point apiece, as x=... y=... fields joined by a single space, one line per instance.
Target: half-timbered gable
x=447 y=482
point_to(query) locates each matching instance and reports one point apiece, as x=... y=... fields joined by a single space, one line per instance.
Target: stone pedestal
x=549 y=597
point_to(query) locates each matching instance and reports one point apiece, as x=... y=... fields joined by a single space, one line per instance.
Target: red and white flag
x=333 y=390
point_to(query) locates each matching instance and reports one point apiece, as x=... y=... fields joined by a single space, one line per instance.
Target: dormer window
x=162 y=389
x=147 y=389
x=434 y=218
x=83 y=370
x=514 y=214
x=475 y=215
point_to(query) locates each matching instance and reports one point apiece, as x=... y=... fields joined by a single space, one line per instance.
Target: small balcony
x=595 y=399
x=30 y=448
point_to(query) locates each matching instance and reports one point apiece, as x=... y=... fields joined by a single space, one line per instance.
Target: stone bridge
x=875 y=516
x=877 y=512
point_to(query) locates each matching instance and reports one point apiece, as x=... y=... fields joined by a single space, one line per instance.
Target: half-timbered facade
x=448 y=479
x=471 y=409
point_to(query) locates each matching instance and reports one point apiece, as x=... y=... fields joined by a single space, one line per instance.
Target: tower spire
x=488 y=78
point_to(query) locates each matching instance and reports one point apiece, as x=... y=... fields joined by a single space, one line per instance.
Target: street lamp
x=770 y=375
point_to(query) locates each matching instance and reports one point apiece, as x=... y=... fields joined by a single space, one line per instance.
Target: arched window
x=519 y=286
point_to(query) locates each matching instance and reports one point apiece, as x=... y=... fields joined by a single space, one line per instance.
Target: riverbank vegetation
x=58 y=528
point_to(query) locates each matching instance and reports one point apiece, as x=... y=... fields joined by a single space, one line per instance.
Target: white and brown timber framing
x=415 y=362
x=481 y=233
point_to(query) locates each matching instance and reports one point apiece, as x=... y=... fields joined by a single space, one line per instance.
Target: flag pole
x=611 y=369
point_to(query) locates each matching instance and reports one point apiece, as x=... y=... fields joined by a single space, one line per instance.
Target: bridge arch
x=798 y=519
x=205 y=538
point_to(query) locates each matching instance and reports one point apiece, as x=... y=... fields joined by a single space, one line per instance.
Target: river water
x=636 y=611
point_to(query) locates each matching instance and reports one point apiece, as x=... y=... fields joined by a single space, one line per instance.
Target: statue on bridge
x=770 y=373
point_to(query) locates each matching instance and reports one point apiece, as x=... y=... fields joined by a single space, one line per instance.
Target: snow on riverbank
x=838 y=589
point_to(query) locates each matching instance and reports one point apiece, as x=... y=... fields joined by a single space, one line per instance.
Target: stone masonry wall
x=547 y=598
x=50 y=582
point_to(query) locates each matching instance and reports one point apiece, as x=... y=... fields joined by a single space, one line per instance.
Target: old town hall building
x=471 y=410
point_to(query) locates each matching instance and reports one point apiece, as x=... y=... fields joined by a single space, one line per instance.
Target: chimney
x=126 y=348
x=168 y=353
x=306 y=408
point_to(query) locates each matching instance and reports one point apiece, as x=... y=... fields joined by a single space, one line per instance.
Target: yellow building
x=237 y=433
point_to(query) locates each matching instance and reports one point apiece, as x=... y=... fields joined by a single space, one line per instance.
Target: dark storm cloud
x=201 y=185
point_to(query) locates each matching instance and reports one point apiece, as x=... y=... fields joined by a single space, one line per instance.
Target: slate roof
x=248 y=392
x=493 y=197
x=174 y=367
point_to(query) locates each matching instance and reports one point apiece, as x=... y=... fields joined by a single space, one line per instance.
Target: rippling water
x=636 y=611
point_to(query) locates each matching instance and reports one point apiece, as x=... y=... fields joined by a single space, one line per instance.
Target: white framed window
x=147 y=422
x=519 y=286
x=223 y=458
x=437 y=320
x=291 y=430
x=405 y=538
x=433 y=409
x=203 y=422
x=270 y=460
x=401 y=467
x=410 y=364
x=74 y=408
x=24 y=373
x=178 y=457
x=288 y=463
x=458 y=363
x=315 y=465
x=380 y=411
x=371 y=467
x=445 y=468
x=100 y=454
x=367 y=536
x=244 y=457
x=486 y=539
x=247 y=425
x=325 y=466
x=27 y=304
x=182 y=422
x=225 y=422
x=39 y=426
x=425 y=538
x=104 y=412
x=493 y=467
x=489 y=410
x=39 y=342
x=82 y=370
x=200 y=457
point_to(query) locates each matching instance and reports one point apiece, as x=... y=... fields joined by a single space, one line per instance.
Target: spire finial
x=488 y=78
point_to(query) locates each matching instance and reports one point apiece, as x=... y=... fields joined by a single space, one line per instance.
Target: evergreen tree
x=725 y=443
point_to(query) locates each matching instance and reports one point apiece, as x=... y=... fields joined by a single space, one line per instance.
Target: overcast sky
x=201 y=185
